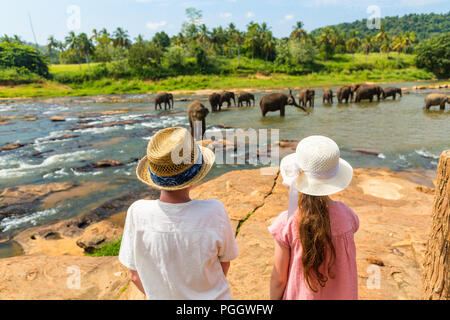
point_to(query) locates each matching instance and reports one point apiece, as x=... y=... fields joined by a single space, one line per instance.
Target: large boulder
x=97 y=235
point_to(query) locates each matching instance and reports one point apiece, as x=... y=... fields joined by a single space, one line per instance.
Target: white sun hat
x=315 y=169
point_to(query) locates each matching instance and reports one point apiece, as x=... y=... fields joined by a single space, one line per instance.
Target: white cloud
x=250 y=14
x=155 y=25
x=226 y=15
x=289 y=17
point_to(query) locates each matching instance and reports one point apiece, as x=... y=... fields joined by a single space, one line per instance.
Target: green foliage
x=14 y=76
x=434 y=55
x=423 y=25
x=108 y=250
x=14 y=55
x=144 y=59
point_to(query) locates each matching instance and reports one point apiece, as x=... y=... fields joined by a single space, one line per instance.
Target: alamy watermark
x=73 y=282
x=374 y=18
x=258 y=147
x=74 y=20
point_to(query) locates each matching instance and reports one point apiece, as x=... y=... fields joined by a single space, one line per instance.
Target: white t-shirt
x=177 y=248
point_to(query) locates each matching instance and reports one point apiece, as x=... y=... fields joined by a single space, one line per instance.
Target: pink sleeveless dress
x=344 y=286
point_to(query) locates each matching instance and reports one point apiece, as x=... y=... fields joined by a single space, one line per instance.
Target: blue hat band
x=179 y=179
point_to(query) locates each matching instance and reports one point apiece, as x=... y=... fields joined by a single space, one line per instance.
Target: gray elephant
x=247 y=98
x=436 y=99
x=215 y=100
x=305 y=96
x=197 y=112
x=368 y=92
x=227 y=96
x=163 y=97
x=391 y=92
x=327 y=96
x=344 y=93
x=278 y=102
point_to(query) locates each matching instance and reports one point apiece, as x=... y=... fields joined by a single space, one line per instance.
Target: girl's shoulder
x=343 y=219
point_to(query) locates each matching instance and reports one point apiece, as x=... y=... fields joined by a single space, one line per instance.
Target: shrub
x=16 y=55
x=434 y=55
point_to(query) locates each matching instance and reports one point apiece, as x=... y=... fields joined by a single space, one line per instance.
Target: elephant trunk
x=298 y=106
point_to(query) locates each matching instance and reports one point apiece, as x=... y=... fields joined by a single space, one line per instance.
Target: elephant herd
x=275 y=102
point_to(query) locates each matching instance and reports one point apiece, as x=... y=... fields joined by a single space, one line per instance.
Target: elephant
x=344 y=93
x=163 y=97
x=247 y=98
x=327 y=96
x=215 y=102
x=367 y=92
x=305 y=96
x=278 y=101
x=197 y=112
x=391 y=92
x=226 y=96
x=436 y=99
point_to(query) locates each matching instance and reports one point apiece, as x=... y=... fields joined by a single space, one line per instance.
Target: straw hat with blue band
x=315 y=169
x=174 y=161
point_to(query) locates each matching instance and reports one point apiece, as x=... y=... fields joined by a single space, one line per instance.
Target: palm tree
x=203 y=36
x=353 y=44
x=252 y=37
x=299 y=33
x=121 y=38
x=327 y=41
x=52 y=44
x=367 y=44
x=85 y=47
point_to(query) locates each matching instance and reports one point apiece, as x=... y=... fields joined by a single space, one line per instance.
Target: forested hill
x=423 y=25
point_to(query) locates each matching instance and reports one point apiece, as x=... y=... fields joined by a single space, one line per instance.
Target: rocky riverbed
x=394 y=210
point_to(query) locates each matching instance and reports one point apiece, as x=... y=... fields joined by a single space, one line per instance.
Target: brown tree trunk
x=436 y=274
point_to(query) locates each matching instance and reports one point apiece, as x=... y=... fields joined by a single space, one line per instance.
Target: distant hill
x=424 y=25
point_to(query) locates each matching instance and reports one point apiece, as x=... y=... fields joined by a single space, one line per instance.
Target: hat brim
x=143 y=173
x=324 y=187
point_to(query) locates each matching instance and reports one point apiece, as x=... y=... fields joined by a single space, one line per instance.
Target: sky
x=146 y=17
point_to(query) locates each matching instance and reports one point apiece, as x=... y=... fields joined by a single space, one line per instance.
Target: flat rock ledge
x=394 y=213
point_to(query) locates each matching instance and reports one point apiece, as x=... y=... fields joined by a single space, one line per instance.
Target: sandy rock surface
x=394 y=211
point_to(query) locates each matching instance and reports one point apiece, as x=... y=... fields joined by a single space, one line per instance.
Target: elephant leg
x=442 y=106
x=282 y=111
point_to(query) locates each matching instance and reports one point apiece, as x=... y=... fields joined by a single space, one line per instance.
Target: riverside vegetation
x=219 y=58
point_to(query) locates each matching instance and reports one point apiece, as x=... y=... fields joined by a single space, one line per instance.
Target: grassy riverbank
x=342 y=69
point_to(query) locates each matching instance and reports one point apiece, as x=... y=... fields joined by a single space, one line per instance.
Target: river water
x=404 y=135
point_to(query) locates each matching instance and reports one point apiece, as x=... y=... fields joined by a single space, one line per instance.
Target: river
x=404 y=135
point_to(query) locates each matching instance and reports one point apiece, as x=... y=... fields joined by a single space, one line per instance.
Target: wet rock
x=25 y=199
x=105 y=163
x=289 y=144
x=367 y=151
x=12 y=146
x=64 y=137
x=98 y=234
x=224 y=126
x=57 y=119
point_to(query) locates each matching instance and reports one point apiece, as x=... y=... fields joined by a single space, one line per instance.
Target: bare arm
x=134 y=277
x=280 y=269
x=225 y=267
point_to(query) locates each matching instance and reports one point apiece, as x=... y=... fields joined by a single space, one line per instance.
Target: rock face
x=63 y=277
x=97 y=234
x=394 y=222
x=21 y=200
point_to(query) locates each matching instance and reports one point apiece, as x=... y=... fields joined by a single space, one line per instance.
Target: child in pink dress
x=315 y=254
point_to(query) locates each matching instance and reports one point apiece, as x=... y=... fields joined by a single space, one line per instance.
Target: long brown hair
x=315 y=236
